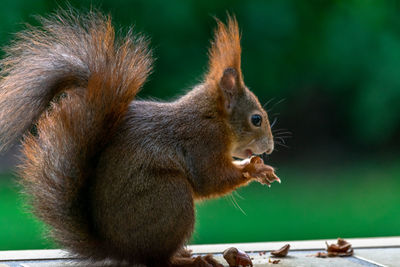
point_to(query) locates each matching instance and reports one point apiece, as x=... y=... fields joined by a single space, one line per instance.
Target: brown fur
x=225 y=51
x=116 y=178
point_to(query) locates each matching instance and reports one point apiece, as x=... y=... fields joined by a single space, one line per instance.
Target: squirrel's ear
x=229 y=86
x=224 y=57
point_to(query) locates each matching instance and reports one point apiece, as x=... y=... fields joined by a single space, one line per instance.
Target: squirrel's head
x=248 y=120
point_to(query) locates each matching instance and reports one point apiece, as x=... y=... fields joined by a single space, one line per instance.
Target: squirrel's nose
x=270 y=147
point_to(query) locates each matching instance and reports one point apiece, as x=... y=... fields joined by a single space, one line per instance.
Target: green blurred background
x=335 y=64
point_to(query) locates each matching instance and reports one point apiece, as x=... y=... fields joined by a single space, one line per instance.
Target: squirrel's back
x=74 y=80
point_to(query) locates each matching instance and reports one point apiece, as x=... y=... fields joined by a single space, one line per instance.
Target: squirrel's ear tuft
x=224 y=53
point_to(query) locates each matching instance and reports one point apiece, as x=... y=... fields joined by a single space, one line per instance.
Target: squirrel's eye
x=256 y=120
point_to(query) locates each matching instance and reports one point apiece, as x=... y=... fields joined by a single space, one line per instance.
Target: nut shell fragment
x=341 y=249
x=235 y=257
x=273 y=261
x=321 y=255
x=282 y=252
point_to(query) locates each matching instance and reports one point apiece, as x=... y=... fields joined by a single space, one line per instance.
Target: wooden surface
x=368 y=252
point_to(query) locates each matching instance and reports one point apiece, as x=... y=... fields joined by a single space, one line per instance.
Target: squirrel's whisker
x=269 y=101
x=274 y=105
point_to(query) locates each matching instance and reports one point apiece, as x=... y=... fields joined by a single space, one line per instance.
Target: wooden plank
x=35 y=254
x=380 y=242
x=375 y=242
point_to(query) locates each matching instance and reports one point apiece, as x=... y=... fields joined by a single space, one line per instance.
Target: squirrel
x=116 y=178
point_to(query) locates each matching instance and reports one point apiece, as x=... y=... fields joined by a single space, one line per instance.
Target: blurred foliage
x=335 y=62
x=311 y=203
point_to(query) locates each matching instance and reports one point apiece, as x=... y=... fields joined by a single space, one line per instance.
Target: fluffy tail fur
x=75 y=80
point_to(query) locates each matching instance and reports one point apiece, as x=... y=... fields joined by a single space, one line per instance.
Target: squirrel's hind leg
x=145 y=216
x=199 y=261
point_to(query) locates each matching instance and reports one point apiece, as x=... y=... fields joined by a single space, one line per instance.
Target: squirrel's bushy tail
x=79 y=55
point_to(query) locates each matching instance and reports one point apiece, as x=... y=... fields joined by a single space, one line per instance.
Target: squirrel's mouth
x=248 y=153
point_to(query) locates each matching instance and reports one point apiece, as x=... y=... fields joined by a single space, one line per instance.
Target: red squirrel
x=115 y=178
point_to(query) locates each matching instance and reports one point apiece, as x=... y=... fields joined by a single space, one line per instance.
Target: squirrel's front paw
x=256 y=169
